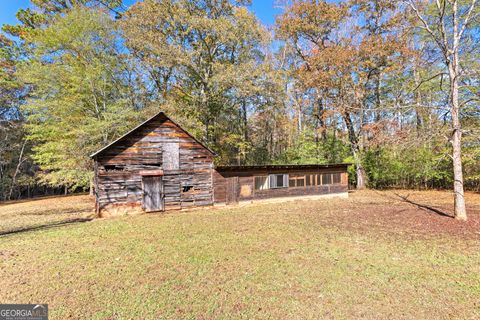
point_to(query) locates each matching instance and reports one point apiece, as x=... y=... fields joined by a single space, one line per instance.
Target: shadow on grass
x=53 y=212
x=45 y=226
x=424 y=206
x=418 y=205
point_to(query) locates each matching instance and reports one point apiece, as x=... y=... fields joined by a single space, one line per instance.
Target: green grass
x=299 y=260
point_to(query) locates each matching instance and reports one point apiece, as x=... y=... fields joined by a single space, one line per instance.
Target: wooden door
x=232 y=190
x=153 y=196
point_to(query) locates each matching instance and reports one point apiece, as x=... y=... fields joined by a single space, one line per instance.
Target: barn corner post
x=212 y=179
x=95 y=186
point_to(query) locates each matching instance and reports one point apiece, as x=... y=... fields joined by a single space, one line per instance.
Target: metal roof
x=161 y=113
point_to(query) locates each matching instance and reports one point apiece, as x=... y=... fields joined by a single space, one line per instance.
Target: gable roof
x=160 y=114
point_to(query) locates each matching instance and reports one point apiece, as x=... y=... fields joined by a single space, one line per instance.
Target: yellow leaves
x=203 y=39
x=310 y=19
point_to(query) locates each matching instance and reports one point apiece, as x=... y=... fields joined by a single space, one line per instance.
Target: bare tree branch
x=467 y=19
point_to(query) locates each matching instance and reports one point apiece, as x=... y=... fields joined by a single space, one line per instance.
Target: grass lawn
x=375 y=255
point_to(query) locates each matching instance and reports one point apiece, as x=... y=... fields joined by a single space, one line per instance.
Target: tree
x=205 y=59
x=46 y=10
x=10 y=88
x=329 y=64
x=81 y=93
x=448 y=23
x=13 y=146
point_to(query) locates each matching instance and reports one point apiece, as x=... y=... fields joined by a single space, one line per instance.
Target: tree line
x=390 y=86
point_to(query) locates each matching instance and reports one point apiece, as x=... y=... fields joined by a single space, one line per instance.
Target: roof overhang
x=276 y=167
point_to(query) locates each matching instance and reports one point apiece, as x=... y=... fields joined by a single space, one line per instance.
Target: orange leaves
x=381 y=52
x=312 y=27
x=329 y=66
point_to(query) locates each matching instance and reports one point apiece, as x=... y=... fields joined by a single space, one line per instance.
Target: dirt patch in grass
x=427 y=213
x=413 y=213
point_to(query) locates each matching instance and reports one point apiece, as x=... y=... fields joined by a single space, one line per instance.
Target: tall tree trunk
x=449 y=42
x=454 y=72
x=359 y=170
x=320 y=118
x=355 y=148
x=378 y=98
x=459 y=197
x=17 y=170
x=205 y=111
x=418 y=101
x=245 y=120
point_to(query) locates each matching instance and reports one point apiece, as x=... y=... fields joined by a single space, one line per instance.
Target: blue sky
x=264 y=9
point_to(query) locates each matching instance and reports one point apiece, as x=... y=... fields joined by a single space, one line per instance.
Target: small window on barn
x=319 y=179
x=310 y=180
x=336 y=177
x=278 y=181
x=187 y=189
x=296 y=181
x=301 y=182
x=327 y=178
x=113 y=167
x=261 y=183
x=292 y=182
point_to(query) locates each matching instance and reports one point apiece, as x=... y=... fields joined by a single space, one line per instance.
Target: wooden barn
x=158 y=166
x=155 y=167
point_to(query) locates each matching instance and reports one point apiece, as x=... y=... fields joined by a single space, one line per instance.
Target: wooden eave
x=286 y=167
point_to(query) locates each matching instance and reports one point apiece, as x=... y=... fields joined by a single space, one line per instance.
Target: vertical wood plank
x=152 y=194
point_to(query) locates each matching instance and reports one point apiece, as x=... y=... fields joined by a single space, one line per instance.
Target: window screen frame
x=274 y=182
x=297 y=178
x=267 y=182
x=326 y=179
x=336 y=181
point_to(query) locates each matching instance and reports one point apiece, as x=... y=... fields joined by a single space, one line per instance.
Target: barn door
x=153 y=196
x=232 y=190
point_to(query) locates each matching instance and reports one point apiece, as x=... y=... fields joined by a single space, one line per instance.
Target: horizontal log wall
x=119 y=182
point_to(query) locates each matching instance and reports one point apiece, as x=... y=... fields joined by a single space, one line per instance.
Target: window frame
x=335 y=174
x=297 y=178
x=328 y=179
x=267 y=182
x=285 y=180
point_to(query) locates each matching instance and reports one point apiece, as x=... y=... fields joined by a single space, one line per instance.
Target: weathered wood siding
x=158 y=144
x=246 y=184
